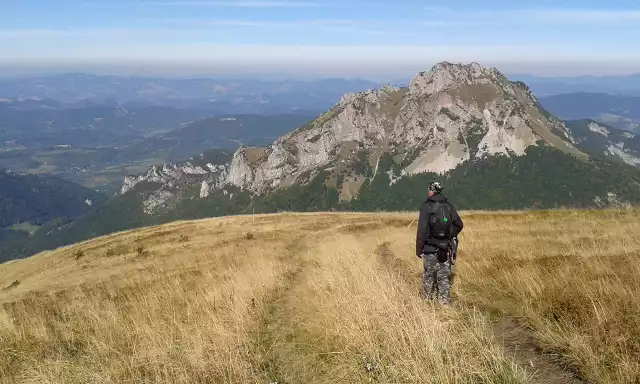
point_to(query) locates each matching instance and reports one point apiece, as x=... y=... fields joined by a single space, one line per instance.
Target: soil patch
x=520 y=344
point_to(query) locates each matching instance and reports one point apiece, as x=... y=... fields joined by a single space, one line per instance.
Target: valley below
x=539 y=297
x=98 y=147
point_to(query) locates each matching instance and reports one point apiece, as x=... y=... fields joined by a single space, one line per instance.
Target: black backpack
x=440 y=221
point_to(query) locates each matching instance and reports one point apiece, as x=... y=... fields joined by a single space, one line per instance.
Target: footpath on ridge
x=281 y=334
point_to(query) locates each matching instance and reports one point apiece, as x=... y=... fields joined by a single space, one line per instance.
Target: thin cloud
x=442 y=16
x=315 y=23
x=357 y=28
x=68 y=34
x=568 y=15
x=243 y=4
x=31 y=33
x=64 y=33
x=188 y=28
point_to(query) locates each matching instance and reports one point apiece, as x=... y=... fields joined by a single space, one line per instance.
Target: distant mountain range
x=615 y=85
x=245 y=95
x=32 y=125
x=218 y=96
x=619 y=111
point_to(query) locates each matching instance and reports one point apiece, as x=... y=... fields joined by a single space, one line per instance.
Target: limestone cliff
x=450 y=114
x=165 y=185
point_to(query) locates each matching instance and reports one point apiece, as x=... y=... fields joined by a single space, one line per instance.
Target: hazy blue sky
x=365 y=38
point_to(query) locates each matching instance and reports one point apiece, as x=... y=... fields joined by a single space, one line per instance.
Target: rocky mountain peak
x=371 y=95
x=445 y=76
x=451 y=114
x=448 y=115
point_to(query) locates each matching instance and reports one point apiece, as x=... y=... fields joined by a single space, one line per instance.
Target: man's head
x=434 y=188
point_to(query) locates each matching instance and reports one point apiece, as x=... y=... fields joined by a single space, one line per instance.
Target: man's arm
x=423 y=228
x=457 y=221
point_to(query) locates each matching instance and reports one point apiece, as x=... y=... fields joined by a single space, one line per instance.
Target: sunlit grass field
x=327 y=298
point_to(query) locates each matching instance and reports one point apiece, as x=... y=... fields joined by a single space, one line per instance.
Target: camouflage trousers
x=436 y=279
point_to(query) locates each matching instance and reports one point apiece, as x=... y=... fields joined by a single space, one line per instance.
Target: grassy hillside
x=329 y=298
x=121 y=213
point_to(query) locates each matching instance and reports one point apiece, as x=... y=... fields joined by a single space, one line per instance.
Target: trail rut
x=520 y=345
x=518 y=341
x=273 y=325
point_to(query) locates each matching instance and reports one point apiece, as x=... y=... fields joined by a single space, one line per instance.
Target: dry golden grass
x=324 y=298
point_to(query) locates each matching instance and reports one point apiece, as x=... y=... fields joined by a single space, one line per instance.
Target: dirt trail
x=518 y=341
x=397 y=266
x=520 y=345
x=276 y=329
x=273 y=327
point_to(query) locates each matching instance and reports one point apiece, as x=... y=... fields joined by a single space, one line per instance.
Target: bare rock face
x=240 y=173
x=600 y=129
x=618 y=147
x=446 y=76
x=166 y=184
x=157 y=200
x=448 y=115
x=129 y=183
x=608 y=141
x=629 y=156
x=204 y=189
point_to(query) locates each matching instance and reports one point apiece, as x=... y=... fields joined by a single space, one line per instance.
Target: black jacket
x=422 y=237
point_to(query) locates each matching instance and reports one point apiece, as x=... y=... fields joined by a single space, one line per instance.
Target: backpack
x=440 y=225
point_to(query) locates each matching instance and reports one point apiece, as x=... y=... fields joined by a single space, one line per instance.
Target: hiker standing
x=436 y=243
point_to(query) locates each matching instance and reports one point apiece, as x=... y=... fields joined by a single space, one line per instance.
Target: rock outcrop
x=170 y=173
x=602 y=139
x=450 y=114
x=166 y=185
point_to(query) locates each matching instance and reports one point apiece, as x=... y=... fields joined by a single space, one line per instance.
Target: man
x=436 y=242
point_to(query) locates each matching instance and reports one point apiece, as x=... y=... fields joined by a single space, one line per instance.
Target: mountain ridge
x=486 y=138
x=448 y=116
x=433 y=117
x=602 y=139
x=230 y=95
x=543 y=86
x=619 y=111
